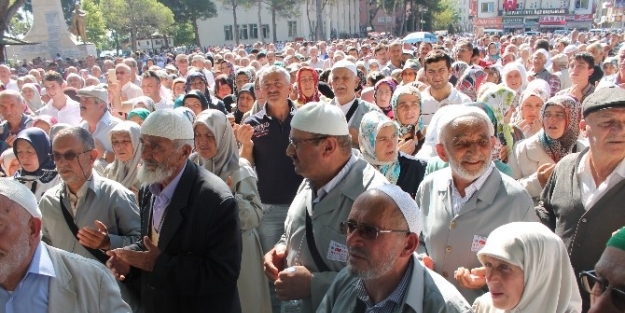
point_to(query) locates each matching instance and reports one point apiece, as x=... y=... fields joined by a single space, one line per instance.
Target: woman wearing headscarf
x=471 y=81
x=224 y=86
x=38 y=172
x=307 y=80
x=177 y=87
x=143 y=102
x=494 y=73
x=9 y=163
x=125 y=139
x=243 y=76
x=382 y=94
x=195 y=101
x=530 y=105
x=217 y=151
x=501 y=100
x=514 y=77
x=138 y=115
x=197 y=81
x=45 y=122
x=406 y=103
x=245 y=102
x=492 y=53
x=377 y=139
x=227 y=68
x=533 y=159
x=457 y=70
x=527 y=270
x=32 y=96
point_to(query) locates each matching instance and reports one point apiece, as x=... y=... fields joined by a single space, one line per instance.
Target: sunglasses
x=67 y=156
x=597 y=286
x=365 y=231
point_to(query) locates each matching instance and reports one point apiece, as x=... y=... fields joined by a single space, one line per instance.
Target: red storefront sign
x=583 y=17
x=493 y=22
x=552 y=20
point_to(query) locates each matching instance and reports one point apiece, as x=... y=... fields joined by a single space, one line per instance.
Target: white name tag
x=337 y=252
x=478 y=243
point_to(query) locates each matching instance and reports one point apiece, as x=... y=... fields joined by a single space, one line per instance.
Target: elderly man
x=580 y=70
x=189 y=256
x=462 y=204
x=560 y=68
x=606 y=284
x=5 y=78
x=128 y=90
x=60 y=106
x=334 y=177
x=382 y=235
x=12 y=109
x=583 y=199
x=36 y=277
x=135 y=78
x=539 y=60
x=87 y=213
x=619 y=78
x=182 y=63
x=97 y=119
x=344 y=77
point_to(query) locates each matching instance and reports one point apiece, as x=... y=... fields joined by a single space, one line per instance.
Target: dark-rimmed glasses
x=367 y=232
x=296 y=142
x=596 y=286
x=67 y=156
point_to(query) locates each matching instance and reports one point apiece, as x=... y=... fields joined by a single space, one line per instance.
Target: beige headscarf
x=126 y=172
x=227 y=159
x=550 y=282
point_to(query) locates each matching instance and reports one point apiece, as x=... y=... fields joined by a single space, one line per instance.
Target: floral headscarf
x=559 y=148
x=458 y=68
x=370 y=126
x=191 y=77
x=301 y=98
x=406 y=90
x=471 y=81
x=501 y=99
x=245 y=72
x=232 y=72
x=492 y=57
x=393 y=85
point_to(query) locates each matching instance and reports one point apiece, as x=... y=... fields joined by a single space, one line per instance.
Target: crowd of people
x=475 y=174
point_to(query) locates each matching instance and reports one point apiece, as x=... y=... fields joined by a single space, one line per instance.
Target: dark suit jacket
x=200 y=243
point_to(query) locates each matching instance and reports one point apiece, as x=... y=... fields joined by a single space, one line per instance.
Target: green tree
x=96 y=27
x=445 y=15
x=137 y=17
x=190 y=11
x=8 y=8
x=20 y=25
x=184 y=34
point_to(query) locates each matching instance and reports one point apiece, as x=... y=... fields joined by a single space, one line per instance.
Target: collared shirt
x=5 y=126
x=32 y=292
x=131 y=91
x=69 y=114
x=590 y=88
x=591 y=193
x=318 y=64
x=12 y=85
x=393 y=301
x=327 y=188
x=102 y=129
x=429 y=105
x=457 y=200
x=162 y=198
x=75 y=199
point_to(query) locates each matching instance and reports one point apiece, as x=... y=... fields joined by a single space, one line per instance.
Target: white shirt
x=317 y=65
x=12 y=85
x=210 y=78
x=457 y=201
x=164 y=104
x=69 y=114
x=102 y=129
x=131 y=91
x=345 y=107
x=591 y=193
x=429 y=105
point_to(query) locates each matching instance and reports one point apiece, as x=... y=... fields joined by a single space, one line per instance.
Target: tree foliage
x=190 y=11
x=183 y=34
x=445 y=16
x=20 y=25
x=96 y=27
x=8 y=8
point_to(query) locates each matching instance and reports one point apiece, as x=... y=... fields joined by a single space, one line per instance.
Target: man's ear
x=440 y=149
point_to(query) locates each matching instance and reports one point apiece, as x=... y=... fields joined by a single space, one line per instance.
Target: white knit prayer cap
x=167 y=123
x=463 y=111
x=320 y=118
x=21 y=195
x=406 y=205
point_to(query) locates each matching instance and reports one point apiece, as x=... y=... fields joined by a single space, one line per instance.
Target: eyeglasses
x=596 y=286
x=67 y=156
x=365 y=231
x=296 y=142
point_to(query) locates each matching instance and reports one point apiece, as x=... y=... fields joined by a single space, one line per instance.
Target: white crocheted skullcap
x=406 y=205
x=347 y=65
x=320 y=118
x=21 y=195
x=168 y=123
x=461 y=111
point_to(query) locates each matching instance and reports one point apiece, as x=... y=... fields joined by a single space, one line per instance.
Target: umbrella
x=420 y=37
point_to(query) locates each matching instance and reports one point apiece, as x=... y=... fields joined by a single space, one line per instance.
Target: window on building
x=292 y=28
x=253 y=31
x=582 y=4
x=488 y=7
x=520 y=5
x=265 y=31
x=228 y=34
x=243 y=31
x=158 y=42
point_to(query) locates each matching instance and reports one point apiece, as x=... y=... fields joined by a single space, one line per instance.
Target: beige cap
x=94 y=92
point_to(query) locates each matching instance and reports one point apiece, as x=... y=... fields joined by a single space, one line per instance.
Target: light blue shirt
x=31 y=294
x=162 y=198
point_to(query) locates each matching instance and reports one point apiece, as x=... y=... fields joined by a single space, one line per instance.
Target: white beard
x=148 y=177
x=466 y=175
x=11 y=260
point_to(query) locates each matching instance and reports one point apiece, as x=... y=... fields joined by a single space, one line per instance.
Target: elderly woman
x=534 y=158
x=196 y=101
x=216 y=151
x=245 y=102
x=38 y=172
x=243 y=76
x=125 y=139
x=514 y=77
x=377 y=139
x=527 y=269
x=307 y=81
x=9 y=163
x=493 y=73
x=138 y=115
x=406 y=103
x=177 y=87
x=197 y=81
x=32 y=96
x=382 y=93
x=531 y=103
x=471 y=81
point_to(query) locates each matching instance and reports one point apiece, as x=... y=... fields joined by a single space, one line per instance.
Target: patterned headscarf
x=393 y=85
x=301 y=98
x=559 y=148
x=370 y=126
x=458 y=68
x=471 y=81
x=245 y=72
x=191 y=77
x=501 y=99
x=232 y=72
x=403 y=128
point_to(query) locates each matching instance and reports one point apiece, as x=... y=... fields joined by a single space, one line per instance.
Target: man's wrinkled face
x=17 y=236
x=611 y=269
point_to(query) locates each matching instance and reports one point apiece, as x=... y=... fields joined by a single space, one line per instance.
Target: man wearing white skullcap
x=35 y=277
x=320 y=147
x=345 y=81
x=383 y=230
x=460 y=205
x=189 y=257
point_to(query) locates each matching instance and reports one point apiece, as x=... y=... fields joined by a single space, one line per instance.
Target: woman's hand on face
x=407 y=146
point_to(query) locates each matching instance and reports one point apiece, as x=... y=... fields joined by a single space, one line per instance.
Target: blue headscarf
x=40 y=141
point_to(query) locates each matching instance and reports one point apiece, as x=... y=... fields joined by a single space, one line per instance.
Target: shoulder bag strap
x=312 y=246
x=351 y=111
x=98 y=254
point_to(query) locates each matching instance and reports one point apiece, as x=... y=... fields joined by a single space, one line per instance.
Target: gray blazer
x=452 y=241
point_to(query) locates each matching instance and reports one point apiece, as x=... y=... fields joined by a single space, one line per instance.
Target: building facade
x=156 y=44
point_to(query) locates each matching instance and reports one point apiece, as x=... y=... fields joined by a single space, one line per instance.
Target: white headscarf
x=226 y=162
x=428 y=149
x=125 y=173
x=514 y=66
x=36 y=103
x=550 y=282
